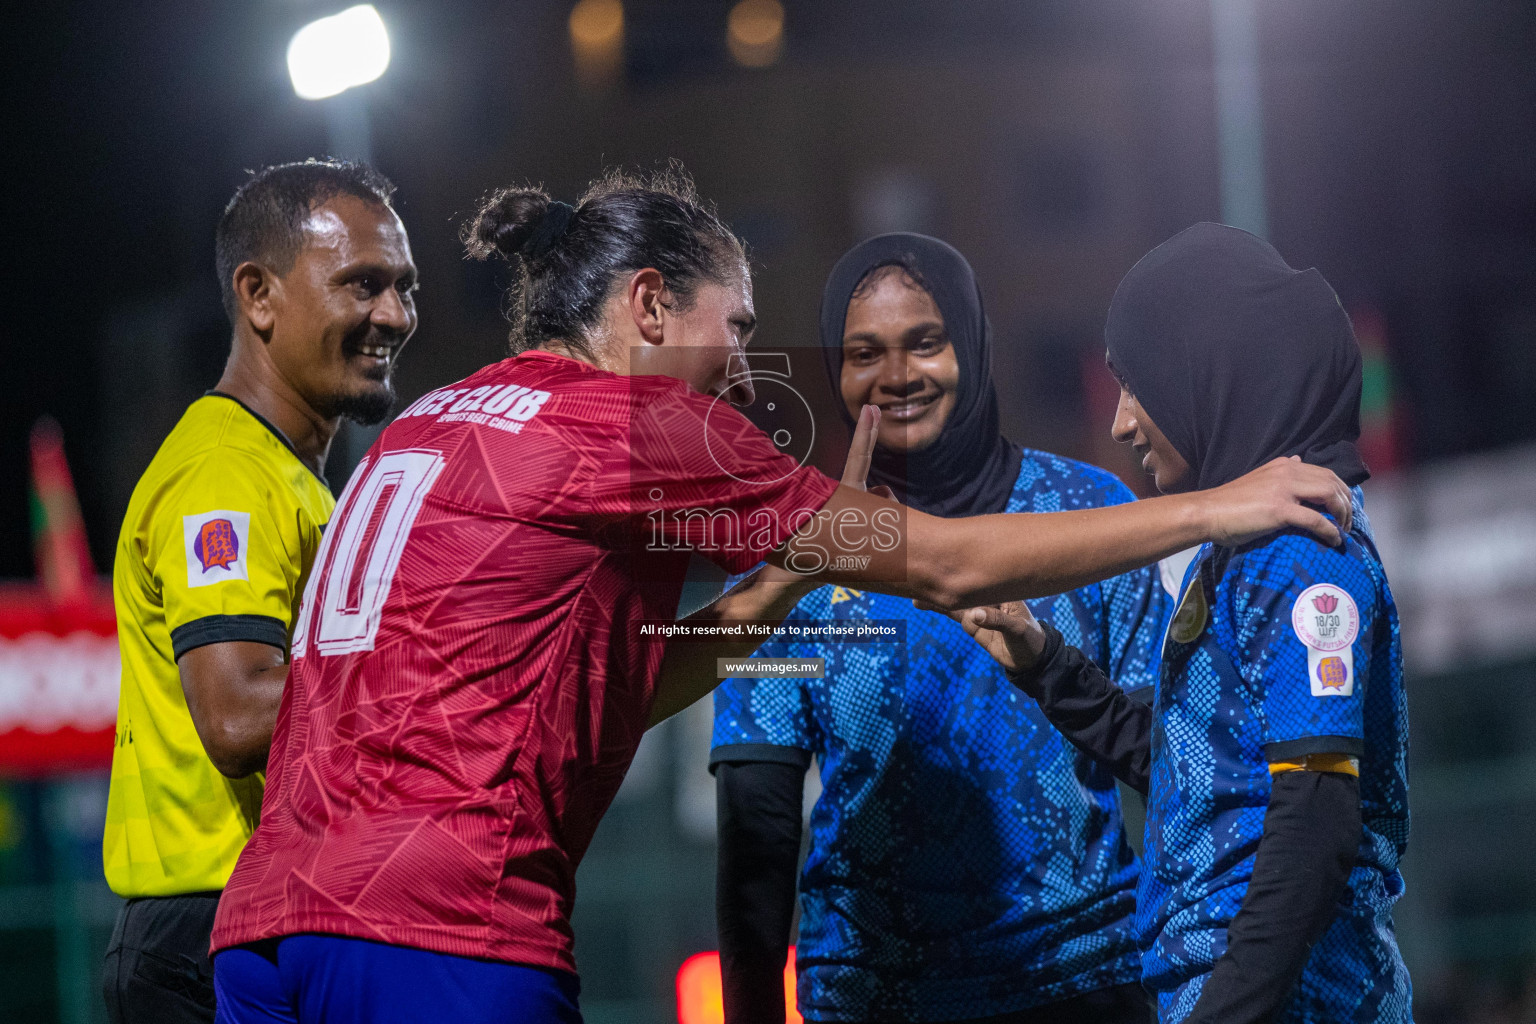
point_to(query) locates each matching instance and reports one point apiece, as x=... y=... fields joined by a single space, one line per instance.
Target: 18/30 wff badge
x=1327 y=621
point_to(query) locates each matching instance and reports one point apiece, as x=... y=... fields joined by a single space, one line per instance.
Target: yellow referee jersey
x=220 y=535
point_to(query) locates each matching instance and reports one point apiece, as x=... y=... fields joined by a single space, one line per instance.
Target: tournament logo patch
x=1326 y=621
x=1332 y=673
x=216 y=545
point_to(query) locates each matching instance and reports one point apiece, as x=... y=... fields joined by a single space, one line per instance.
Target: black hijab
x=970 y=468
x=1238 y=358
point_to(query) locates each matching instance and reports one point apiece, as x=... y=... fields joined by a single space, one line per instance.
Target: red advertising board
x=58 y=681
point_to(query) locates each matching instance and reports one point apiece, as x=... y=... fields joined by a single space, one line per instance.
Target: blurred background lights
x=755 y=32
x=597 y=41
x=331 y=55
x=700 y=999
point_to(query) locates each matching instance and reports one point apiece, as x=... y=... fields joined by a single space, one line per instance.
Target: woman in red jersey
x=478 y=654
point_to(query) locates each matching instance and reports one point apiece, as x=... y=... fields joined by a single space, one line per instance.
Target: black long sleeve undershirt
x=1311 y=836
x=758 y=806
x=1310 y=841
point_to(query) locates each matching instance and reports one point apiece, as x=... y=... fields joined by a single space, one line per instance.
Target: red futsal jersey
x=470 y=679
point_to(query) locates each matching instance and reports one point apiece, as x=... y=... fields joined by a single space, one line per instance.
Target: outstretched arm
x=868 y=542
x=688 y=667
x=767 y=596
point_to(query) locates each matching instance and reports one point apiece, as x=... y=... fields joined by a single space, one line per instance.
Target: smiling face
x=344 y=311
x=1159 y=458
x=705 y=344
x=896 y=355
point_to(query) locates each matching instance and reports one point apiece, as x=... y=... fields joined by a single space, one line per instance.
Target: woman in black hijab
x=948 y=880
x=1275 y=749
x=950 y=458
x=1236 y=357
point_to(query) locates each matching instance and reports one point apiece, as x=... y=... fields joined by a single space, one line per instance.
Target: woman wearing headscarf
x=966 y=863
x=1275 y=753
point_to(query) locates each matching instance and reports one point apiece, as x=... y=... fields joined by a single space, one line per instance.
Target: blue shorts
x=339 y=980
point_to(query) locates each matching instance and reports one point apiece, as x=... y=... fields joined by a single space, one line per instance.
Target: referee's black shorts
x=157 y=969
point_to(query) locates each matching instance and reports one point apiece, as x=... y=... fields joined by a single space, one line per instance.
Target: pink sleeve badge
x=1326 y=621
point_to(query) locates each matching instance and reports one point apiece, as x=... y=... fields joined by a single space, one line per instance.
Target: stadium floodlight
x=331 y=55
x=755 y=32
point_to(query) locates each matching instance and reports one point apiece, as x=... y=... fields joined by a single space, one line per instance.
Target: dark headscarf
x=1236 y=357
x=970 y=468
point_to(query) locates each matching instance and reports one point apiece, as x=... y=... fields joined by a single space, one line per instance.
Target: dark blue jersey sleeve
x=765 y=719
x=1301 y=619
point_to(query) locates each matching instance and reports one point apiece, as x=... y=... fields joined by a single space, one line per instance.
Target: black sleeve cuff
x=1290 y=750
x=762 y=752
x=1029 y=679
x=219 y=629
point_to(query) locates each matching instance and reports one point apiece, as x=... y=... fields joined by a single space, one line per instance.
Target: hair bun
x=505 y=221
x=551 y=228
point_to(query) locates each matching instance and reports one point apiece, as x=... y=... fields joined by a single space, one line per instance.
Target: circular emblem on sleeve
x=1325 y=617
x=1191 y=617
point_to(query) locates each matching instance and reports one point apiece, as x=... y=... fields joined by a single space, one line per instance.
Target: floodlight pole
x=1239 y=115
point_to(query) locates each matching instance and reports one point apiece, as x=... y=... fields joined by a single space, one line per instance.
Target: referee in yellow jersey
x=220 y=534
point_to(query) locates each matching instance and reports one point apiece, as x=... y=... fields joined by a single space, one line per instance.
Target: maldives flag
x=58 y=647
x=58 y=535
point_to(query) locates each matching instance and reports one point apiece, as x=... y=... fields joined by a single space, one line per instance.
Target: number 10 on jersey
x=356 y=563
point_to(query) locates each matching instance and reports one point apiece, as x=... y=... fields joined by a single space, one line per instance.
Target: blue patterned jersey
x=965 y=861
x=1280 y=649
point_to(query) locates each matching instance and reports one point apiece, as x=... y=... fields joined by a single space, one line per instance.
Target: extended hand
x=1009 y=632
x=1274 y=497
x=861 y=451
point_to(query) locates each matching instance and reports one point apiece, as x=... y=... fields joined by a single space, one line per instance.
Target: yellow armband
x=1341 y=763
